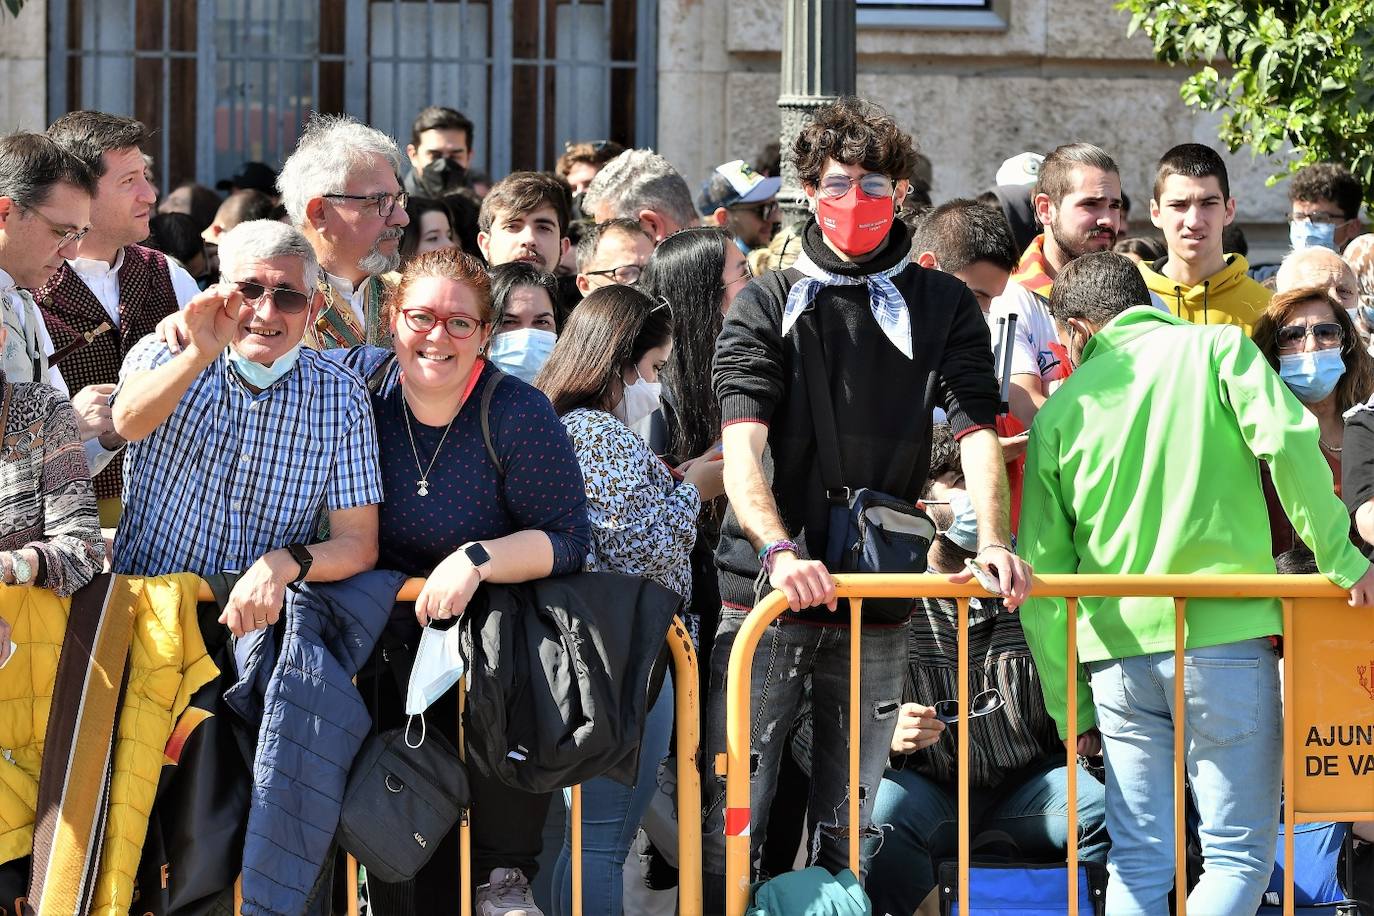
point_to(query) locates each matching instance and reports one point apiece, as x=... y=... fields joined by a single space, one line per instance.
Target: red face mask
x=855 y=223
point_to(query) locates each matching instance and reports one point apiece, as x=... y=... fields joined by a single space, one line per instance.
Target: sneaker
x=506 y=894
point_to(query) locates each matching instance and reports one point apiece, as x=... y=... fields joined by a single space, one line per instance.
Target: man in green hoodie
x=1197 y=280
x=1147 y=461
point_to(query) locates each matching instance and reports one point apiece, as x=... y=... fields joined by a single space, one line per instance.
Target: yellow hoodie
x=1227 y=297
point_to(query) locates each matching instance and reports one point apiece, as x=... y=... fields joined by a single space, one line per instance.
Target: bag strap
x=488 y=390
x=822 y=412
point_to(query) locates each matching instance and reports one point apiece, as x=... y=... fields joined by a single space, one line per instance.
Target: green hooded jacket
x=1146 y=460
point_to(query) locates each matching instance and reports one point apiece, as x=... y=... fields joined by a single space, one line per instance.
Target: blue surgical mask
x=260 y=376
x=963 y=531
x=523 y=352
x=1307 y=234
x=1312 y=376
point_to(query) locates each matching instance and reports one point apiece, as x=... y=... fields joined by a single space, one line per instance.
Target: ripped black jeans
x=788 y=651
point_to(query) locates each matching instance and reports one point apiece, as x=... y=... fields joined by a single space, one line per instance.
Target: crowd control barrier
x=1328 y=690
x=688 y=785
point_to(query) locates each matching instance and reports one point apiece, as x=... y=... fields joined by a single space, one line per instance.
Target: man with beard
x=1078 y=201
x=114 y=292
x=340 y=188
x=525 y=218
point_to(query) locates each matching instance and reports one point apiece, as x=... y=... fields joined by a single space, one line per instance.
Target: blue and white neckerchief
x=889 y=308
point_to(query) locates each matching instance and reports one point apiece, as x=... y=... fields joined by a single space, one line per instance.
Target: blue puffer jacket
x=311 y=723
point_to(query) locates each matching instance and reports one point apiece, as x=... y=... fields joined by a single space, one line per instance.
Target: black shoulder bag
x=870 y=531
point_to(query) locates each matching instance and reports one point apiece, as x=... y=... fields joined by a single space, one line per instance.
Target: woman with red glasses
x=1309 y=339
x=453 y=516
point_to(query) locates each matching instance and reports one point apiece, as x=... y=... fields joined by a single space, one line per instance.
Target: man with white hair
x=640 y=184
x=1319 y=266
x=238 y=440
x=340 y=188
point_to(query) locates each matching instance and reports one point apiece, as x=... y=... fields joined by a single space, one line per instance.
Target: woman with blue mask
x=526 y=326
x=602 y=378
x=1308 y=337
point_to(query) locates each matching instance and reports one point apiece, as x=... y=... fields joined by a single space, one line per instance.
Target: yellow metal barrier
x=1323 y=637
x=688 y=785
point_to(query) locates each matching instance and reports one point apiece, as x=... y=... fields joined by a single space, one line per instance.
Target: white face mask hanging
x=438 y=666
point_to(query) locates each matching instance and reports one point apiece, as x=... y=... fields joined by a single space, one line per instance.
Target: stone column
x=817 y=67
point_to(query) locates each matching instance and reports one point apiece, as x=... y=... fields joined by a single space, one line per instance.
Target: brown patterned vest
x=70 y=308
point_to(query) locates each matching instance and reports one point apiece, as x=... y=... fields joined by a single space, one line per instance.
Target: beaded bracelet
x=772 y=549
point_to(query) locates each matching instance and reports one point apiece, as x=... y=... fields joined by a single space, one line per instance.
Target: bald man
x=1320 y=267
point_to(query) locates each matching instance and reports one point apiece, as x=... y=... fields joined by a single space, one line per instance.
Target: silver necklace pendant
x=424 y=487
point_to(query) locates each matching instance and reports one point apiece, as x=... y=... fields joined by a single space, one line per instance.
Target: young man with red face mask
x=890 y=330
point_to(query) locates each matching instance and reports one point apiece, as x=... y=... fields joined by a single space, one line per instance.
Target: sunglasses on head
x=1327 y=334
x=287 y=301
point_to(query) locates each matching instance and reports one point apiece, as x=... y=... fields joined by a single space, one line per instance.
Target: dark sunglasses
x=1327 y=334
x=288 y=301
x=985 y=703
x=459 y=327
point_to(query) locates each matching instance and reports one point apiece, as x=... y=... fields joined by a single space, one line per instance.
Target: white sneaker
x=506 y=894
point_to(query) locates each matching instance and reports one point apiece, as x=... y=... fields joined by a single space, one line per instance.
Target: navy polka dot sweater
x=543 y=488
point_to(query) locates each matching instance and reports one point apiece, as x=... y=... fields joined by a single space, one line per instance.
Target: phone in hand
x=985 y=578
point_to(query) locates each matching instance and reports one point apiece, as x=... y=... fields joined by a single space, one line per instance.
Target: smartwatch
x=303 y=558
x=477 y=555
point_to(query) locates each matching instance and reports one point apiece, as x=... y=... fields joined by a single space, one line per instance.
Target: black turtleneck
x=883 y=425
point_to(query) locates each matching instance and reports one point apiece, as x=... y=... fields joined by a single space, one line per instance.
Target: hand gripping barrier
x=1323 y=637
x=688 y=786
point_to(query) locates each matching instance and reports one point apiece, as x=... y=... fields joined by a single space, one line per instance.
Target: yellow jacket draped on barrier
x=167 y=665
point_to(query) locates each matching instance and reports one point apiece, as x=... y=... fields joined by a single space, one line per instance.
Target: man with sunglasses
x=341 y=190
x=1018 y=778
x=1147 y=462
x=241 y=437
x=112 y=291
x=892 y=335
x=738 y=198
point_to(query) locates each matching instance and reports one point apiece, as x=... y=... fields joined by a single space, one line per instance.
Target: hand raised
x=212 y=319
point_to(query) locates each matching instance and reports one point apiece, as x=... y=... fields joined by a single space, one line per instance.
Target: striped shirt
x=1019 y=734
x=231 y=475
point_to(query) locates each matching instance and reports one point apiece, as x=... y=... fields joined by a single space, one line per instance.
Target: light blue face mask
x=260 y=376
x=438 y=666
x=522 y=352
x=1312 y=376
x=964 y=529
x=1307 y=234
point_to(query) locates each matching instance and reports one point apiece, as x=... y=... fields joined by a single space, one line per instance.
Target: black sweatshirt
x=878 y=394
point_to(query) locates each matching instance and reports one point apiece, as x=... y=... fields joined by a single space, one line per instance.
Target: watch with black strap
x=301 y=554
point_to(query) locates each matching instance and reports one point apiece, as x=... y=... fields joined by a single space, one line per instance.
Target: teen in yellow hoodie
x=1197 y=281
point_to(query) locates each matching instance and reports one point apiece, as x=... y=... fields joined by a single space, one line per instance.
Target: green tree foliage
x=1299 y=72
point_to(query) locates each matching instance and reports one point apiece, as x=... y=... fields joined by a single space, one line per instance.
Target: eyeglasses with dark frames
x=873 y=184
x=66 y=234
x=1327 y=334
x=1320 y=218
x=386 y=201
x=288 y=301
x=763 y=211
x=626 y=274
x=459 y=327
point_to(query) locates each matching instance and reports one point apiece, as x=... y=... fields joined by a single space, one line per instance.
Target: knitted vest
x=70 y=309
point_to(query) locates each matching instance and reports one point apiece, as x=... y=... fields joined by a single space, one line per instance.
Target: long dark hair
x=686 y=271
x=417 y=207
x=609 y=330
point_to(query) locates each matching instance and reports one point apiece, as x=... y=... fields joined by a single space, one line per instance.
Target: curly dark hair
x=853 y=131
x=1328 y=181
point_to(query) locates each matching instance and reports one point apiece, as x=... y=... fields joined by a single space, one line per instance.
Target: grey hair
x=261 y=239
x=1297 y=268
x=641 y=179
x=330 y=148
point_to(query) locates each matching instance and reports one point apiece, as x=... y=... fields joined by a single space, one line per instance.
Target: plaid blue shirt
x=231 y=476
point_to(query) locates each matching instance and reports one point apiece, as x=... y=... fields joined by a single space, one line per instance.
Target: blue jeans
x=1233 y=755
x=611 y=812
x=788 y=651
x=1024 y=819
